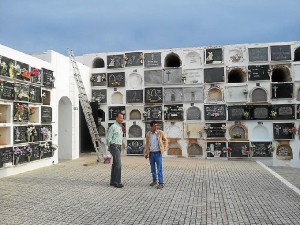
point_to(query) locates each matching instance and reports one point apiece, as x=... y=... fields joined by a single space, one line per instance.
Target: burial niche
x=135 y=115
x=236 y=75
x=117 y=98
x=238 y=132
x=281 y=74
x=98 y=63
x=297 y=54
x=259 y=95
x=195 y=150
x=174 y=147
x=135 y=131
x=193 y=113
x=101 y=115
x=284 y=152
x=172 y=60
x=214 y=94
x=298 y=95
x=101 y=131
x=261 y=133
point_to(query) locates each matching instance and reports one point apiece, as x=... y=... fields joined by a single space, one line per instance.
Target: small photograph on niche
x=7 y=67
x=258 y=54
x=134 y=96
x=213 y=55
x=20 y=112
x=99 y=96
x=7 y=90
x=123 y=128
x=114 y=110
x=153 y=95
x=133 y=59
x=35 y=94
x=152 y=59
x=115 y=61
x=48 y=78
x=22 y=71
x=216 y=148
x=20 y=134
x=262 y=149
x=152 y=113
x=280 y=52
x=215 y=112
x=21 y=92
x=135 y=147
x=282 y=90
x=35 y=75
x=173 y=112
x=116 y=79
x=258 y=72
x=284 y=131
x=98 y=79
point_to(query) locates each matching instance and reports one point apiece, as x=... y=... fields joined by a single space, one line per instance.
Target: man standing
x=114 y=141
x=156 y=144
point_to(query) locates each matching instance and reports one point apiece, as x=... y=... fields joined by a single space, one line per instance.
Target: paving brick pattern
x=197 y=191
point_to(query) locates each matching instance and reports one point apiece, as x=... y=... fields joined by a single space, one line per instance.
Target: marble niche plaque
x=20 y=112
x=281 y=131
x=261 y=149
x=152 y=59
x=135 y=131
x=193 y=94
x=98 y=79
x=282 y=90
x=212 y=75
x=215 y=130
x=135 y=147
x=214 y=55
x=115 y=61
x=284 y=111
x=238 y=148
x=133 y=59
x=48 y=78
x=8 y=92
x=173 y=112
x=114 y=110
x=258 y=72
x=258 y=54
x=99 y=96
x=261 y=112
x=193 y=113
x=24 y=75
x=173 y=95
x=172 y=76
x=215 y=112
x=134 y=96
x=160 y=126
x=211 y=147
x=116 y=79
x=192 y=59
x=152 y=77
x=280 y=52
x=46 y=114
x=259 y=95
x=35 y=94
x=236 y=112
x=153 y=95
x=236 y=54
x=152 y=113
x=193 y=76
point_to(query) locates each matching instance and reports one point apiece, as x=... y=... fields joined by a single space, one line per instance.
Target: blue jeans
x=156 y=161
x=115 y=151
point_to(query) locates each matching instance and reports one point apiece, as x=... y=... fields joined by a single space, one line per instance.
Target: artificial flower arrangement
x=19 y=114
x=270 y=147
x=293 y=130
x=1 y=86
x=44 y=95
x=215 y=114
x=17 y=152
x=28 y=152
x=273 y=114
x=246 y=114
x=34 y=72
x=31 y=111
x=228 y=149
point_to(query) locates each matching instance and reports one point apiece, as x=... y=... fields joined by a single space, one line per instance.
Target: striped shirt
x=115 y=134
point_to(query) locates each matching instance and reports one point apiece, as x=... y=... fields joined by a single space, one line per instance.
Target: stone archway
x=172 y=60
x=98 y=63
x=214 y=94
x=117 y=98
x=236 y=75
x=281 y=73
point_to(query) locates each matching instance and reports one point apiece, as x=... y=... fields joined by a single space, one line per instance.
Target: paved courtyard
x=197 y=191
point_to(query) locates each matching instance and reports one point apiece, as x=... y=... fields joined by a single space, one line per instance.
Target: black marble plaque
x=21 y=92
x=45 y=132
x=5 y=155
x=238 y=112
x=215 y=112
x=116 y=79
x=115 y=61
x=24 y=71
x=35 y=94
x=212 y=75
x=20 y=112
x=133 y=59
x=172 y=76
x=152 y=59
x=20 y=135
x=134 y=96
x=114 y=110
x=282 y=90
x=152 y=113
x=258 y=54
x=8 y=90
x=152 y=77
x=160 y=126
x=173 y=112
x=261 y=112
x=153 y=95
x=282 y=131
x=214 y=55
x=135 y=147
x=48 y=78
x=239 y=149
x=280 y=52
x=35 y=151
x=261 y=149
x=98 y=79
x=99 y=96
x=6 y=65
x=259 y=72
x=46 y=114
x=215 y=146
x=284 y=111
x=215 y=130
x=193 y=113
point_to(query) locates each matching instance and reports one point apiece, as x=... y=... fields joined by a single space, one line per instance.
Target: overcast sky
x=91 y=26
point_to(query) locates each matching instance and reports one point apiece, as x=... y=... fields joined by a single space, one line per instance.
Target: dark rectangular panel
x=239 y=149
x=280 y=52
x=7 y=67
x=282 y=131
x=173 y=112
x=98 y=79
x=259 y=72
x=20 y=134
x=152 y=59
x=214 y=55
x=284 y=111
x=261 y=149
x=115 y=61
x=48 y=78
x=35 y=94
x=213 y=75
x=46 y=114
x=282 y=90
x=99 y=96
x=133 y=59
x=114 y=110
x=215 y=112
x=116 y=79
x=8 y=91
x=215 y=130
x=135 y=147
x=134 y=96
x=152 y=113
x=153 y=95
x=258 y=54
x=20 y=112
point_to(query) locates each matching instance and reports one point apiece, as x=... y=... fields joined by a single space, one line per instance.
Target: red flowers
x=228 y=149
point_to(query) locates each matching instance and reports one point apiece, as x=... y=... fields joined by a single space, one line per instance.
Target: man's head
x=120 y=118
x=153 y=125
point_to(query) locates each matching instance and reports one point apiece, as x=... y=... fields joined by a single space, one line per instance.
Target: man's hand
x=146 y=156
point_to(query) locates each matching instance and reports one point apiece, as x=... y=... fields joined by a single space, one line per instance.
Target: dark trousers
x=115 y=151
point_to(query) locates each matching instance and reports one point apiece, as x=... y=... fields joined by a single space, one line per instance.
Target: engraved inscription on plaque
x=211 y=147
x=153 y=95
x=236 y=113
x=20 y=134
x=193 y=113
x=152 y=77
x=135 y=131
x=259 y=95
x=172 y=76
x=214 y=55
x=134 y=96
x=239 y=149
x=98 y=79
x=261 y=112
x=8 y=92
x=193 y=94
x=258 y=54
x=116 y=79
x=115 y=61
x=213 y=75
x=152 y=113
x=173 y=112
x=284 y=111
x=173 y=95
x=192 y=59
x=133 y=59
x=135 y=147
x=260 y=72
x=261 y=149
x=35 y=94
x=193 y=76
x=152 y=59
x=282 y=90
x=283 y=131
x=99 y=96
x=215 y=112
x=22 y=92
x=280 y=52
x=48 y=78
x=46 y=114
x=215 y=130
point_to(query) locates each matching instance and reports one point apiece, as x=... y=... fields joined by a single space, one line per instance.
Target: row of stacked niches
x=25 y=112
x=211 y=101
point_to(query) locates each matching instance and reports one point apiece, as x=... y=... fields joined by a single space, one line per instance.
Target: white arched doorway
x=65 y=128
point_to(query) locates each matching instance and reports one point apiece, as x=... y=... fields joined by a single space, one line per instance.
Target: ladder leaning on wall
x=88 y=114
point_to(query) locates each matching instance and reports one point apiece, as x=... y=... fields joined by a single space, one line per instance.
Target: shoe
x=153 y=183
x=117 y=185
x=160 y=186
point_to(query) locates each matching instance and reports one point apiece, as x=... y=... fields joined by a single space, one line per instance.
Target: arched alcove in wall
x=214 y=94
x=195 y=150
x=193 y=113
x=174 y=147
x=238 y=131
x=135 y=131
x=260 y=133
x=135 y=81
x=117 y=98
x=98 y=63
x=135 y=115
x=297 y=54
x=281 y=74
x=259 y=95
x=172 y=60
x=236 y=75
x=101 y=115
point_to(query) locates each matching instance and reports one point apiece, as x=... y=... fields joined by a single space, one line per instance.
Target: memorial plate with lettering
x=134 y=96
x=283 y=131
x=99 y=96
x=98 y=79
x=172 y=76
x=239 y=149
x=152 y=77
x=261 y=149
x=192 y=59
x=258 y=54
x=35 y=94
x=173 y=95
x=48 y=78
x=153 y=95
x=115 y=61
x=116 y=79
x=46 y=114
x=20 y=112
x=7 y=67
x=8 y=91
x=282 y=90
x=152 y=59
x=214 y=55
x=261 y=112
x=21 y=92
x=193 y=94
x=20 y=134
x=173 y=112
x=114 y=110
x=215 y=112
x=280 y=52
x=133 y=59
x=284 y=111
x=212 y=75
x=215 y=130
x=152 y=113
x=240 y=112
x=135 y=147
x=258 y=72
x=215 y=146
x=194 y=76
x=23 y=71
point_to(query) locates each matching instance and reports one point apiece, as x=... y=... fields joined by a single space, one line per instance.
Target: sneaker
x=160 y=186
x=153 y=183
